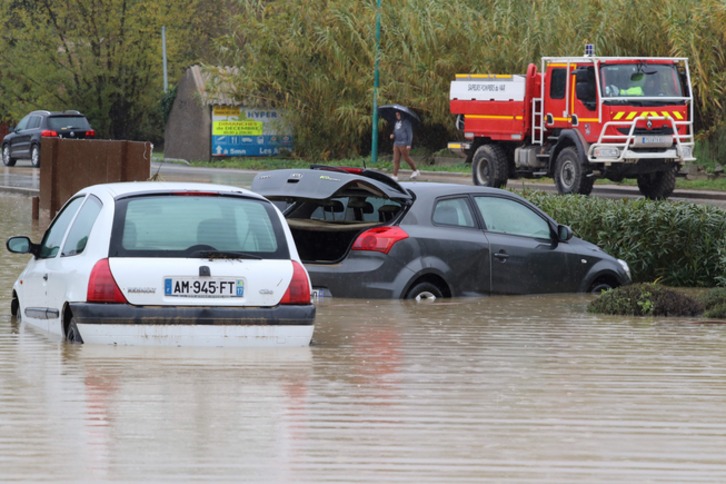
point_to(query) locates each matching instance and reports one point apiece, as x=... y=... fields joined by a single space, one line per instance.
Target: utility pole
x=163 y=53
x=376 y=82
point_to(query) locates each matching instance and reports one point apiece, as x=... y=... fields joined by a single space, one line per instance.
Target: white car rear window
x=175 y=223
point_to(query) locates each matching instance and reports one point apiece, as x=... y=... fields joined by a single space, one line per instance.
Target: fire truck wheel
x=570 y=175
x=489 y=166
x=659 y=185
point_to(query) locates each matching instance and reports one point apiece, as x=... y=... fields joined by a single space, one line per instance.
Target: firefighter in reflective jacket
x=637 y=81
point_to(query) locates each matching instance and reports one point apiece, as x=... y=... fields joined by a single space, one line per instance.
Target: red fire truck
x=578 y=119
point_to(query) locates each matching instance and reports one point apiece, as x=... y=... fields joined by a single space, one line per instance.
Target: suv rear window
x=169 y=225
x=58 y=123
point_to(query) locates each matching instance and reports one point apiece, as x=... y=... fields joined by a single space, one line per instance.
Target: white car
x=184 y=264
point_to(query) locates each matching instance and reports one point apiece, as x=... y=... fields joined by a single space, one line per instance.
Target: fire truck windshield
x=648 y=81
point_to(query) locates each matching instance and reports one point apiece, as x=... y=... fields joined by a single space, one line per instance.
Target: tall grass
x=317 y=60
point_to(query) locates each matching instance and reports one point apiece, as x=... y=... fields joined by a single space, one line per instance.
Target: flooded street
x=502 y=389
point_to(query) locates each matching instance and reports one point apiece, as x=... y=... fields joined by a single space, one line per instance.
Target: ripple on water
x=501 y=389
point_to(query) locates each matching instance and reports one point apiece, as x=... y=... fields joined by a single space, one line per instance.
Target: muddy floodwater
x=501 y=390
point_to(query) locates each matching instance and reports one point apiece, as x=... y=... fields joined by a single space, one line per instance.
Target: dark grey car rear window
x=454 y=212
x=174 y=225
x=59 y=123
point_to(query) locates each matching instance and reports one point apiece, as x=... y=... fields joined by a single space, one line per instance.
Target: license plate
x=653 y=141
x=204 y=287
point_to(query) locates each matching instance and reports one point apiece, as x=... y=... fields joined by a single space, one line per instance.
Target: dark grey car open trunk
x=319 y=241
x=327 y=209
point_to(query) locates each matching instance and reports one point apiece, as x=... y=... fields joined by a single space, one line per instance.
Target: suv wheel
x=35 y=156
x=7 y=159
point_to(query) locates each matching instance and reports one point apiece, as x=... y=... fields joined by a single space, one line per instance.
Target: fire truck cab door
x=556 y=96
x=583 y=101
x=570 y=94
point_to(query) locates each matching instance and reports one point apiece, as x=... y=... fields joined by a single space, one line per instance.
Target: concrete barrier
x=68 y=165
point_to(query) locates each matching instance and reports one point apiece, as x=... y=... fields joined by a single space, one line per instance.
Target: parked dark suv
x=23 y=142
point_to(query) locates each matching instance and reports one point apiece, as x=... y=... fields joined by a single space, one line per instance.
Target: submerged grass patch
x=646 y=299
x=651 y=299
x=714 y=302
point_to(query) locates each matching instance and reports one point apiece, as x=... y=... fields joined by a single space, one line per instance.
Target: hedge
x=675 y=243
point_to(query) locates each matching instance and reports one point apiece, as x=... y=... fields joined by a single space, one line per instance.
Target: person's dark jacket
x=402 y=133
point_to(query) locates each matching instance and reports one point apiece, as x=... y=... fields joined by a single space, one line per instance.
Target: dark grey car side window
x=34 y=122
x=453 y=211
x=511 y=217
x=50 y=245
x=78 y=234
x=23 y=123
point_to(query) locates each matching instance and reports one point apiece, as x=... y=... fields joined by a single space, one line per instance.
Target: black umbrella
x=388 y=112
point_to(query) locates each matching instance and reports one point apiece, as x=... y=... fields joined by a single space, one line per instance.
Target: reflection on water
x=506 y=389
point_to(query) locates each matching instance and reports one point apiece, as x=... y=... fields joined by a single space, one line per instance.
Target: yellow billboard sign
x=237 y=128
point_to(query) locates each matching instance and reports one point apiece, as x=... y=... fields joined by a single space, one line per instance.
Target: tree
x=102 y=57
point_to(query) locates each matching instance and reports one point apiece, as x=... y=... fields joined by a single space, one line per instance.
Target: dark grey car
x=23 y=142
x=363 y=235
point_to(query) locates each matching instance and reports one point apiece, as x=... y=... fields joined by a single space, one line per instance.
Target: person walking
x=402 y=137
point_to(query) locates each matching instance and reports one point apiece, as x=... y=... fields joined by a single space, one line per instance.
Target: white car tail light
x=102 y=287
x=298 y=292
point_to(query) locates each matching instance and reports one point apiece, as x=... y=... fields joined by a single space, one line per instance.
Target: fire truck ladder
x=537 y=121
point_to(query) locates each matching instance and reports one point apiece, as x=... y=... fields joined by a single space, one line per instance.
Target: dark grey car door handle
x=45 y=277
x=502 y=256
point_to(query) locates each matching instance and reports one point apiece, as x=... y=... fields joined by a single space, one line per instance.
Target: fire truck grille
x=643 y=131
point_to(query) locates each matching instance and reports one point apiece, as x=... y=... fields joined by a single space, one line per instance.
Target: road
x=26 y=179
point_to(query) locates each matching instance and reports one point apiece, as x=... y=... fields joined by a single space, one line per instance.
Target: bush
x=646 y=300
x=714 y=302
x=678 y=243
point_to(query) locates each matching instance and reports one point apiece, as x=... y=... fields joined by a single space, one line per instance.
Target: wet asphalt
x=26 y=180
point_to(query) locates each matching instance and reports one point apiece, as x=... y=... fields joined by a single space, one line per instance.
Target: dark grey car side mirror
x=564 y=233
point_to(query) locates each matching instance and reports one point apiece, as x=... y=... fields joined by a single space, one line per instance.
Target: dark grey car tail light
x=379 y=239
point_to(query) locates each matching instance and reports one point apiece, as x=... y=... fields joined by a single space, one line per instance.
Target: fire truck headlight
x=686 y=151
x=606 y=152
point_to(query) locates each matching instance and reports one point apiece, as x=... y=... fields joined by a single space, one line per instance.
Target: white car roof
x=118 y=189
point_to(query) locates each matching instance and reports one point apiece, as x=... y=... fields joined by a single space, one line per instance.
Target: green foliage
x=714 y=302
x=319 y=62
x=316 y=60
x=102 y=57
x=646 y=299
x=711 y=149
x=678 y=243
x=167 y=101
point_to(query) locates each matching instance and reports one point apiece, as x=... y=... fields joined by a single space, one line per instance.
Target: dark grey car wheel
x=601 y=286
x=7 y=159
x=424 y=291
x=35 y=156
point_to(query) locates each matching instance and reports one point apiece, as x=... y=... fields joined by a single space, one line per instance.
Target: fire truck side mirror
x=584 y=74
x=585 y=86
